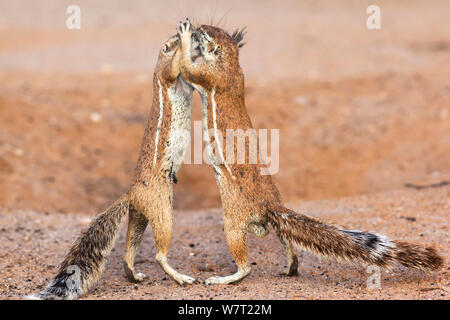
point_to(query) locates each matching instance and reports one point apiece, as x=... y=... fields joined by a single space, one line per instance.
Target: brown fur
x=148 y=199
x=251 y=200
x=331 y=241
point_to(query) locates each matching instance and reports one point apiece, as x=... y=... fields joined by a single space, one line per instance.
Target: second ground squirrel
x=250 y=200
x=149 y=198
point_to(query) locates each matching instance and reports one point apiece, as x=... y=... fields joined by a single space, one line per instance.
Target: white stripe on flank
x=161 y=109
x=213 y=92
x=206 y=137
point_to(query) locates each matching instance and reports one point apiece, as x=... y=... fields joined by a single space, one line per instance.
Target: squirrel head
x=168 y=50
x=164 y=70
x=217 y=45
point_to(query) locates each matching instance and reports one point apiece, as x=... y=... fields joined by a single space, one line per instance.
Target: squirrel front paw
x=185 y=29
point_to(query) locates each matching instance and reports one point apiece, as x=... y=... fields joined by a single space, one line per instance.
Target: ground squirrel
x=250 y=200
x=163 y=147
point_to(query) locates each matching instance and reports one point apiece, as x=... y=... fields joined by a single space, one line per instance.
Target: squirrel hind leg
x=181 y=279
x=237 y=241
x=137 y=223
x=292 y=267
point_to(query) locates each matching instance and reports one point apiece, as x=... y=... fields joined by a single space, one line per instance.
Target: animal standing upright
x=251 y=200
x=149 y=198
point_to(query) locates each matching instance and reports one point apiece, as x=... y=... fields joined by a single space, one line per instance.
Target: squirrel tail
x=350 y=245
x=85 y=262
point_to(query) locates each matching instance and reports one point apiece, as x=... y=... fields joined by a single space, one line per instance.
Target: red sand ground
x=34 y=244
x=360 y=114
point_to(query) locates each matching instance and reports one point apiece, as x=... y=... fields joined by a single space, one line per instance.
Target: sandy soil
x=34 y=243
x=361 y=113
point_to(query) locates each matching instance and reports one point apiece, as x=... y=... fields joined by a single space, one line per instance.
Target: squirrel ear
x=238 y=36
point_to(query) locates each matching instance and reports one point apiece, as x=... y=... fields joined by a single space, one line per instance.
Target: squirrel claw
x=182 y=279
x=185 y=27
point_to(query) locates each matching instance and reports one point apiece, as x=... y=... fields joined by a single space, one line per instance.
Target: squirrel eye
x=166 y=48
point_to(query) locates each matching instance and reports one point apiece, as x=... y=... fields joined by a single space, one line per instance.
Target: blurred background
x=359 y=111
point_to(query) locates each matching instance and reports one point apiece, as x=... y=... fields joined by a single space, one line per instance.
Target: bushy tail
x=85 y=262
x=349 y=245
